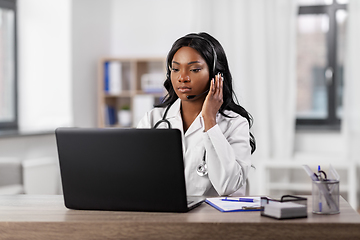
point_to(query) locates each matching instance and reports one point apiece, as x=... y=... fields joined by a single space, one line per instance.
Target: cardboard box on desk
x=288 y=207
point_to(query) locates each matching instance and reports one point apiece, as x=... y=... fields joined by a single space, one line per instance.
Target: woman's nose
x=183 y=77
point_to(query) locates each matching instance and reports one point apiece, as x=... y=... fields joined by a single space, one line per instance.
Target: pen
x=320 y=198
x=239 y=200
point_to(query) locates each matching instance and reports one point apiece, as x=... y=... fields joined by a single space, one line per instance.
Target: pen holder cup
x=325 y=197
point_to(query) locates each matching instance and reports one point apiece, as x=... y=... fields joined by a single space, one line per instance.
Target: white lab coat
x=227 y=151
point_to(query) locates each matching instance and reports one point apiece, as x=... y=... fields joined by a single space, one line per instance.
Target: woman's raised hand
x=213 y=101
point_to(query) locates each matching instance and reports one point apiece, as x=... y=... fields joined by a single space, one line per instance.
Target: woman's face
x=189 y=74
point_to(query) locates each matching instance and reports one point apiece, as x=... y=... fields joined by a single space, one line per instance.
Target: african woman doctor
x=217 y=143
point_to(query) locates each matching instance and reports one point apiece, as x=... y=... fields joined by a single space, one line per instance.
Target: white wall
x=149 y=28
x=90 y=38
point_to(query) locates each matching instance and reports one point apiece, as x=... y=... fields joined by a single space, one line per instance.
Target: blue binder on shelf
x=106 y=77
x=235 y=204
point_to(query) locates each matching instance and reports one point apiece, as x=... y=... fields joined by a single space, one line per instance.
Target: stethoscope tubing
x=201 y=169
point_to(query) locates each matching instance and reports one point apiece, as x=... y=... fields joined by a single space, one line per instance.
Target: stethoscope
x=201 y=169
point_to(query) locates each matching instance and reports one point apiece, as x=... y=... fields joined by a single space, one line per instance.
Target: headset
x=211 y=45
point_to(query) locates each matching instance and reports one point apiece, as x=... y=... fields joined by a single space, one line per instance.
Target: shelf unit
x=129 y=78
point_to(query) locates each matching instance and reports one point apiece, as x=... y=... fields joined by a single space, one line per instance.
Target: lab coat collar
x=197 y=124
x=174 y=109
x=174 y=112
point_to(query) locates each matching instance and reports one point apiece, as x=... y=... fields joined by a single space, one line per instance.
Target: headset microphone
x=194 y=96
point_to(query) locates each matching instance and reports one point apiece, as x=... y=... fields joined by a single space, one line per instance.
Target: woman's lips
x=184 y=89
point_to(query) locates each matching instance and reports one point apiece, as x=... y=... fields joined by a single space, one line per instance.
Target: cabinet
x=128 y=88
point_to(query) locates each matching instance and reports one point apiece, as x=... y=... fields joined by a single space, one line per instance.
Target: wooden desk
x=45 y=217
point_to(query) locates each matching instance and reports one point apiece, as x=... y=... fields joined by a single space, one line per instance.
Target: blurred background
x=294 y=65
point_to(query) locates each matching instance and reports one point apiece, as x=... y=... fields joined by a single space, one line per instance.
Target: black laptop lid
x=122 y=169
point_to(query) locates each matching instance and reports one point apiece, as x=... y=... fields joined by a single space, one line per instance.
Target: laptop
x=123 y=170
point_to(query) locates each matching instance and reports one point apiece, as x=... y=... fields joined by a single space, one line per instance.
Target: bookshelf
x=130 y=84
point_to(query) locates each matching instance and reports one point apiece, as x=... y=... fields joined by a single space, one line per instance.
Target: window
x=8 y=101
x=320 y=57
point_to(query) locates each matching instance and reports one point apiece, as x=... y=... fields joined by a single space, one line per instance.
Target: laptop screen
x=122 y=169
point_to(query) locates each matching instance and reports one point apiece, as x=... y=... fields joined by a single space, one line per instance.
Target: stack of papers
x=233 y=204
x=282 y=210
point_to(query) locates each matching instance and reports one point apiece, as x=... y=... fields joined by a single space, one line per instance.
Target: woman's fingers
x=221 y=87
x=216 y=88
x=218 y=93
x=216 y=83
x=214 y=98
x=213 y=85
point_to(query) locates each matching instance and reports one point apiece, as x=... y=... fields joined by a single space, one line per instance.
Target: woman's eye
x=196 y=70
x=174 y=69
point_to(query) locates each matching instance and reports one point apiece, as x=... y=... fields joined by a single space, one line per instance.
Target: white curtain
x=259 y=38
x=351 y=116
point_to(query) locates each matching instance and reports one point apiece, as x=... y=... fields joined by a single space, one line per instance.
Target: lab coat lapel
x=174 y=115
x=195 y=125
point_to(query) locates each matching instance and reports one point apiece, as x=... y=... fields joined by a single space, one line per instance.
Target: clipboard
x=233 y=204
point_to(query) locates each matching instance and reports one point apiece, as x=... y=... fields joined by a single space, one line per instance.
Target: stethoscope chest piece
x=202 y=169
